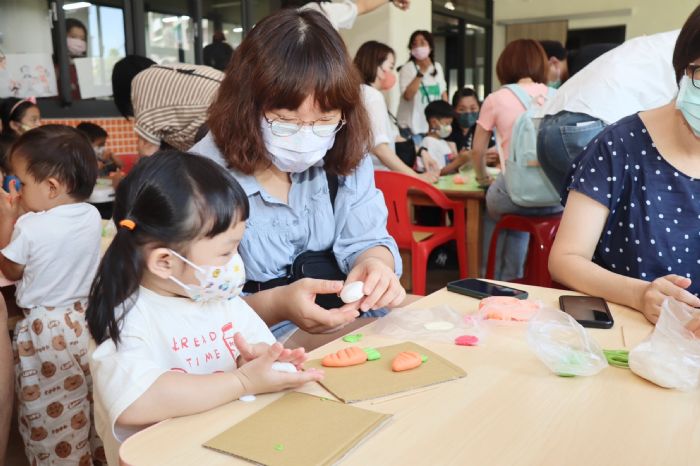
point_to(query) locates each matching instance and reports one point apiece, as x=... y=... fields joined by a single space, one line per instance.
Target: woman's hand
x=257 y=376
x=382 y=286
x=249 y=352
x=670 y=286
x=429 y=177
x=301 y=308
x=429 y=162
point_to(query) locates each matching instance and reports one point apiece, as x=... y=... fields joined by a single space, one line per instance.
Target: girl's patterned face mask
x=216 y=282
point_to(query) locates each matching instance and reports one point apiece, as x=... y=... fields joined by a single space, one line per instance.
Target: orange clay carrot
x=406 y=360
x=345 y=357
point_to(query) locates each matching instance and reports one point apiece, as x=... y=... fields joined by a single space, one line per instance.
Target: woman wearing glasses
x=290 y=125
x=631 y=226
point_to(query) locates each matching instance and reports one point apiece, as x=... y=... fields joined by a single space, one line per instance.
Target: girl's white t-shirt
x=412 y=112
x=161 y=334
x=383 y=130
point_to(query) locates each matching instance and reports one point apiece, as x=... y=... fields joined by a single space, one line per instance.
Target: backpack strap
x=520 y=93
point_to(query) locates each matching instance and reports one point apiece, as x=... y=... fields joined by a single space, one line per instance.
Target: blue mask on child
x=688 y=102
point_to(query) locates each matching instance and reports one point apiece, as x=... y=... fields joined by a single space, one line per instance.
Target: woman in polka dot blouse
x=631 y=227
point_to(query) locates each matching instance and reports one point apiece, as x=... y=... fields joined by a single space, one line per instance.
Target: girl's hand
x=257 y=376
x=250 y=352
x=382 y=286
x=9 y=203
x=670 y=286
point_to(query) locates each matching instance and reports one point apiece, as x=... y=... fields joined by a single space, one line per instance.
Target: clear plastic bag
x=563 y=345
x=441 y=323
x=670 y=356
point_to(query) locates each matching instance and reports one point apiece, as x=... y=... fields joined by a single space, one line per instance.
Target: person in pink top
x=522 y=62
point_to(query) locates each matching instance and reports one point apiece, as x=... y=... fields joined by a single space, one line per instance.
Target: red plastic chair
x=128 y=161
x=542 y=232
x=396 y=187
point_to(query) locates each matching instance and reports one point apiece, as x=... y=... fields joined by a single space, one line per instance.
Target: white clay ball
x=284 y=367
x=352 y=292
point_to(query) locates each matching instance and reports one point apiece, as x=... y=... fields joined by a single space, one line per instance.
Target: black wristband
x=419 y=74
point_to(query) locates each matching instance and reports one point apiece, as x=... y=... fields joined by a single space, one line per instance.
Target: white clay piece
x=438 y=325
x=284 y=367
x=352 y=292
x=247 y=398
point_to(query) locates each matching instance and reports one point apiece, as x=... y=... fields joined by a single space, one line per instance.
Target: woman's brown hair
x=522 y=58
x=687 y=46
x=287 y=57
x=369 y=56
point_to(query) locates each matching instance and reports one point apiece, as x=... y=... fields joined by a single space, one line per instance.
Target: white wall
x=393 y=27
x=639 y=16
x=25 y=26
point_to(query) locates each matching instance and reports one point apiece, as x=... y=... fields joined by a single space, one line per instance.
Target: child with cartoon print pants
x=53 y=252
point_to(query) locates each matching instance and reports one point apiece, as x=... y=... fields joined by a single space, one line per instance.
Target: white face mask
x=99 y=151
x=444 y=131
x=216 y=282
x=76 y=47
x=298 y=152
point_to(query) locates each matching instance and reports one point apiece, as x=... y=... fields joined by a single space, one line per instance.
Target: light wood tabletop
x=509 y=410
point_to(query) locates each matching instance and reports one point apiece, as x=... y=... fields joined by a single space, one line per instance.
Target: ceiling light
x=76 y=5
x=450 y=6
x=237 y=29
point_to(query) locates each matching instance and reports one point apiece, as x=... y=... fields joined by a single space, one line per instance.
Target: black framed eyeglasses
x=695 y=74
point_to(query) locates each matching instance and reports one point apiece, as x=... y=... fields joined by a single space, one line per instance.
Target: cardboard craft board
x=299 y=430
x=375 y=379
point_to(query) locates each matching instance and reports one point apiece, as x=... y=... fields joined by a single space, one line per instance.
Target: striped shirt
x=170 y=102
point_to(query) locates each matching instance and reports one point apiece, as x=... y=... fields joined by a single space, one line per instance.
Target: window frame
x=64 y=107
x=484 y=22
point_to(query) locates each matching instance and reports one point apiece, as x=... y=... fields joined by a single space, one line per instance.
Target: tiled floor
x=437 y=278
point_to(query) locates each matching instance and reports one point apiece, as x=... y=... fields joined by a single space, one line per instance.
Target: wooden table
x=509 y=410
x=473 y=197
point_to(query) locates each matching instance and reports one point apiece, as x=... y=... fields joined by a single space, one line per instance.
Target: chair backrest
x=396 y=187
x=128 y=161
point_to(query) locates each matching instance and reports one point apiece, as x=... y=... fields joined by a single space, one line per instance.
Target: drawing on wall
x=27 y=75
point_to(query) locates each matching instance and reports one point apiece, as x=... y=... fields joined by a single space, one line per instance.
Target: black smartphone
x=588 y=311
x=482 y=289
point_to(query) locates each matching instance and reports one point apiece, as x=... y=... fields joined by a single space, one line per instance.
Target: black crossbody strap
x=332 y=187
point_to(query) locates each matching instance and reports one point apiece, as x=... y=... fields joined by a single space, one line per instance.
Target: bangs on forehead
x=321 y=73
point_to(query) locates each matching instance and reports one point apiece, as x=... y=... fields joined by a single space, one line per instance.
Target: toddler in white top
x=172 y=337
x=53 y=252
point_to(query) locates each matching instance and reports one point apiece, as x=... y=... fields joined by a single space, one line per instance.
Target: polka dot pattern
x=653 y=227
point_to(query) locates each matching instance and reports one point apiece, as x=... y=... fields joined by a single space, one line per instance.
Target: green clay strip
x=279 y=447
x=617 y=358
x=423 y=358
x=372 y=354
x=352 y=338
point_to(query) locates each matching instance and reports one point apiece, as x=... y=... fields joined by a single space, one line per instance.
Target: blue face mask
x=468 y=119
x=688 y=102
x=554 y=84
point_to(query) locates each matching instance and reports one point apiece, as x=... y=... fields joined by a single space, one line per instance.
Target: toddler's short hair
x=60 y=152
